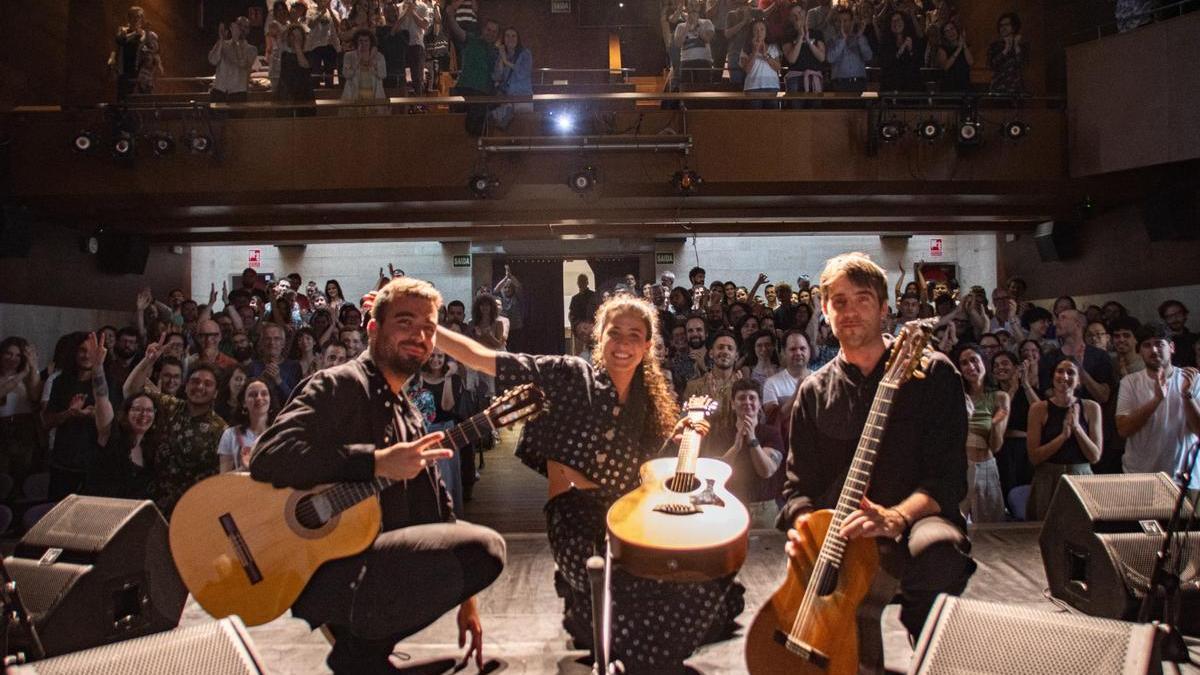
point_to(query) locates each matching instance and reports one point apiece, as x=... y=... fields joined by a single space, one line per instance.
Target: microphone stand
x=1161 y=600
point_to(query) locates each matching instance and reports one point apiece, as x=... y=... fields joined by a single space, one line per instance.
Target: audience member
x=513 y=77
x=149 y=64
x=392 y=38
x=779 y=391
x=804 y=56
x=900 y=55
x=487 y=326
x=1065 y=437
x=754 y=455
x=334 y=354
x=283 y=374
x=254 y=412
x=1012 y=459
x=233 y=58
x=762 y=357
x=692 y=38
x=848 y=55
x=1008 y=55
x=512 y=304
x=124 y=59
x=988 y=411
x=477 y=62
x=436 y=394
x=275 y=34
x=1175 y=315
x=737 y=34
x=716 y=383
x=761 y=62
x=363 y=72
x=1157 y=412
x=322 y=43
x=417 y=16
x=20 y=391
x=1096 y=372
x=295 y=70
x=69 y=412
x=955 y=59
x=1126 y=358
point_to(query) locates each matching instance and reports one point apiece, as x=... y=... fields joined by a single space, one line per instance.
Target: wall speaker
x=1056 y=240
x=94 y=571
x=1100 y=540
x=214 y=648
x=972 y=636
x=122 y=253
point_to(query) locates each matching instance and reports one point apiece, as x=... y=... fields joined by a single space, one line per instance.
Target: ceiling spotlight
x=123 y=147
x=561 y=121
x=892 y=130
x=930 y=130
x=583 y=180
x=84 y=141
x=1016 y=130
x=969 y=131
x=198 y=142
x=686 y=182
x=482 y=185
x=163 y=143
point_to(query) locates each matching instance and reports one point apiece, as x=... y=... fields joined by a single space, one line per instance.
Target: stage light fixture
x=163 y=143
x=482 y=185
x=930 y=130
x=583 y=181
x=686 y=182
x=1016 y=130
x=969 y=131
x=84 y=141
x=892 y=130
x=199 y=143
x=123 y=147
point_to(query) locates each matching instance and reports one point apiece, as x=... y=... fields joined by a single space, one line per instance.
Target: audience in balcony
x=416 y=18
x=804 y=56
x=955 y=59
x=900 y=55
x=123 y=61
x=322 y=43
x=737 y=34
x=233 y=58
x=1008 y=55
x=363 y=73
x=392 y=39
x=478 y=63
x=848 y=55
x=761 y=62
x=513 y=77
x=692 y=38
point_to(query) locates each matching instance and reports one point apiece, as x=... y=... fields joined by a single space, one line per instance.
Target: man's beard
x=122 y=352
x=243 y=353
x=695 y=343
x=395 y=360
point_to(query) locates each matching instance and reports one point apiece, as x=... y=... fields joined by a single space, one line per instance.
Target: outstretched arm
x=467 y=351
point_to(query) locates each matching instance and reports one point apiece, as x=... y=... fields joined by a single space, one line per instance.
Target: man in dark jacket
x=353 y=422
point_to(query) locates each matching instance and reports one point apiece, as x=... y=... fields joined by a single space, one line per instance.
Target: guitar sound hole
x=308 y=514
x=683 y=482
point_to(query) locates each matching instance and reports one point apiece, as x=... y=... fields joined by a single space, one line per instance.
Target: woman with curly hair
x=607 y=418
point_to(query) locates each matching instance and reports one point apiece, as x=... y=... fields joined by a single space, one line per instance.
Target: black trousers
x=407 y=580
x=933 y=559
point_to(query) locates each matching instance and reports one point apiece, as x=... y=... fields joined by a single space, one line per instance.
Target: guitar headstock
x=522 y=402
x=910 y=352
x=699 y=407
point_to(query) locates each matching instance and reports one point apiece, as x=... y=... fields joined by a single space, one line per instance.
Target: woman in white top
x=761 y=61
x=364 y=70
x=250 y=421
x=20 y=389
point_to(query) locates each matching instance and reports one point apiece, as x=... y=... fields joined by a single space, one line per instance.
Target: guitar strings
x=864 y=454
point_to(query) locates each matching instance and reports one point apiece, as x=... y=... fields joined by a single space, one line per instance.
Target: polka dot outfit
x=656 y=625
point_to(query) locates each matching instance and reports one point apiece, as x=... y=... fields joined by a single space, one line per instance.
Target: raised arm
x=140 y=374
x=103 y=408
x=467 y=351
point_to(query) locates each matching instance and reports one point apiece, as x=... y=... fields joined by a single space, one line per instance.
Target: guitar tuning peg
x=919 y=374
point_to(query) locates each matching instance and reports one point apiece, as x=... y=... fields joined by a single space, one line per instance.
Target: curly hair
x=659 y=394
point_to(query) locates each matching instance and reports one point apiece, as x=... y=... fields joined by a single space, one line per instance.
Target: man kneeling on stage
x=353 y=422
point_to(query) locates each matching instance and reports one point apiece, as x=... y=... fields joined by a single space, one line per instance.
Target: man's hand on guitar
x=873 y=520
x=403 y=461
x=468 y=622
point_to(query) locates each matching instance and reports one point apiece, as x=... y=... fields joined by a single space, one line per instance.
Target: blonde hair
x=859 y=269
x=404 y=286
x=663 y=406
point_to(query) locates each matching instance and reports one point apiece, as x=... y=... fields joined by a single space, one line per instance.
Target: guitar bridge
x=677 y=509
x=804 y=651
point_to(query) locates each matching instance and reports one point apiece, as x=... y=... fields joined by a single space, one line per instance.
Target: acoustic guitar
x=681 y=524
x=244 y=547
x=809 y=624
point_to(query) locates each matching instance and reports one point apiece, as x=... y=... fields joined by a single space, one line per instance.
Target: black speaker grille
x=42 y=586
x=1135 y=554
x=215 y=648
x=981 y=637
x=79 y=524
x=1145 y=496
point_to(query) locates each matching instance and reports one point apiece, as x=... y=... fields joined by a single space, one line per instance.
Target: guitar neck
x=859 y=475
x=345 y=495
x=689 y=451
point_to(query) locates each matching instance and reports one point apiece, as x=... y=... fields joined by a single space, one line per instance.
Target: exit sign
x=664 y=258
x=560 y=6
x=462 y=260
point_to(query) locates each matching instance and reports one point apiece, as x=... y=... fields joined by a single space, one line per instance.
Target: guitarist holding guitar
x=911 y=432
x=605 y=420
x=353 y=423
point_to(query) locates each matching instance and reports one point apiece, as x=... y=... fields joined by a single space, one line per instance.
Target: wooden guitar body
x=699 y=535
x=831 y=629
x=240 y=549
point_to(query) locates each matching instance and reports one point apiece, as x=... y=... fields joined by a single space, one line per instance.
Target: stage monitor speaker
x=213 y=648
x=122 y=253
x=1056 y=240
x=96 y=570
x=1100 y=540
x=972 y=636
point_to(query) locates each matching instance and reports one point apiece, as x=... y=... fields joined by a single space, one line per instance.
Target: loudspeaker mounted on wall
x=1056 y=240
x=1172 y=214
x=122 y=253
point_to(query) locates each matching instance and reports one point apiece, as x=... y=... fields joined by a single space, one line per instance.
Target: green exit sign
x=664 y=258
x=462 y=261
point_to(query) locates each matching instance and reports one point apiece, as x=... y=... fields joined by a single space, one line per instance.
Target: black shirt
x=115 y=475
x=806 y=59
x=75 y=439
x=1096 y=362
x=329 y=431
x=922 y=447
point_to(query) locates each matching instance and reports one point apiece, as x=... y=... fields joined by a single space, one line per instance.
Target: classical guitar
x=681 y=523
x=244 y=547
x=809 y=624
